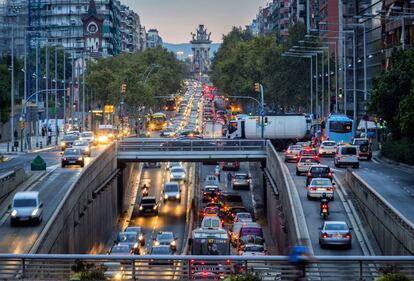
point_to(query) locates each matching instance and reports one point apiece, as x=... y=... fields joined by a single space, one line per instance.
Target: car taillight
x=297 y=156
x=348 y=236
x=236 y=219
x=203 y=262
x=312 y=188
x=192 y=261
x=316 y=157
x=325 y=235
x=330 y=189
x=228 y=262
x=205 y=193
x=289 y=151
x=309 y=174
x=329 y=174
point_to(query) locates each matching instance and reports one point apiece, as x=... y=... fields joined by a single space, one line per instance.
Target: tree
x=4 y=93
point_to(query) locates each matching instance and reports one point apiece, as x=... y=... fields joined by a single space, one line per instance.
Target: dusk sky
x=175 y=19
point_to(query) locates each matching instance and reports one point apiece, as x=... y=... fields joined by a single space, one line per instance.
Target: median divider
x=88 y=211
x=393 y=232
x=284 y=210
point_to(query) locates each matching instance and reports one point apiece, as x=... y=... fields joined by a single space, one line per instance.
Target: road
x=52 y=188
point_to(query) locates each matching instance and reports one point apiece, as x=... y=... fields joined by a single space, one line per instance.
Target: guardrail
x=10 y=180
x=169 y=149
x=393 y=232
x=161 y=267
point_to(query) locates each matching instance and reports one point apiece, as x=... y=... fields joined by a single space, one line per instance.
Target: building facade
x=153 y=38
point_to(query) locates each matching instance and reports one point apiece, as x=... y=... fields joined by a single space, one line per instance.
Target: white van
x=26 y=207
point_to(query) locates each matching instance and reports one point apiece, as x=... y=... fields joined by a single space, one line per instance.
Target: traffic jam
x=223 y=221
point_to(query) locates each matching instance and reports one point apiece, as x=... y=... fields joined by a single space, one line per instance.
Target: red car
x=230 y=166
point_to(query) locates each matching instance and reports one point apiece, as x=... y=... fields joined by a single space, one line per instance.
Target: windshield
x=160 y=251
x=72 y=152
x=328 y=143
x=148 y=201
x=340 y=126
x=165 y=236
x=349 y=150
x=319 y=170
x=120 y=249
x=240 y=177
x=171 y=187
x=70 y=137
x=130 y=237
x=244 y=216
x=244 y=231
x=359 y=142
x=177 y=170
x=25 y=203
x=86 y=135
x=80 y=143
x=338 y=226
x=295 y=147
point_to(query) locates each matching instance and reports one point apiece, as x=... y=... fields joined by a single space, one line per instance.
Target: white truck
x=280 y=129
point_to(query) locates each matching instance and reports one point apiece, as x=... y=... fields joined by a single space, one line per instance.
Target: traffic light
x=340 y=93
x=257 y=87
x=123 y=88
x=266 y=121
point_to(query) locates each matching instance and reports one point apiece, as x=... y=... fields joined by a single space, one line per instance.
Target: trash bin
x=38 y=164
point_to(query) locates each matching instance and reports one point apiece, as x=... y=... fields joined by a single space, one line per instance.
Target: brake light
x=329 y=174
x=192 y=261
x=204 y=274
x=289 y=151
x=203 y=262
x=316 y=157
x=297 y=156
x=330 y=189
x=325 y=235
x=228 y=262
x=205 y=193
x=324 y=206
x=348 y=236
x=307 y=150
x=312 y=188
x=309 y=174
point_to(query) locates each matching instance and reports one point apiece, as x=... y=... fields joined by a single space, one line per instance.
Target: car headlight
x=35 y=211
x=165 y=196
x=156 y=243
x=182 y=176
x=177 y=196
x=87 y=149
x=141 y=237
x=140 y=208
x=80 y=158
x=136 y=245
x=118 y=276
x=64 y=159
x=62 y=144
x=173 y=243
x=155 y=207
x=14 y=213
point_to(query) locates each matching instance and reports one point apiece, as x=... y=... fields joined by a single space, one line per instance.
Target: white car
x=88 y=136
x=318 y=186
x=83 y=146
x=303 y=165
x=172 y=191
x=243 y=217
x=327 y=148
x=177 y=174
x=26 y=207
x=173 y=164
x=253 y=250
x=347 y=156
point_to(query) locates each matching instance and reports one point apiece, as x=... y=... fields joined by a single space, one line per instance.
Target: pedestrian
x=57 y=131
x=299 y=256
x=43 y=131
x=229 y=177
x=49 y=137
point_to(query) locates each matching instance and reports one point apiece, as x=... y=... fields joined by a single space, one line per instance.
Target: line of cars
x=76 y=146
x=320 y=186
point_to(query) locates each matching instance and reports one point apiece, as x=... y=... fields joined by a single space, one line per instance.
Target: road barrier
x=88 y=212
x=284 y=210
x=394 y=233
x=157 y=267
x=10 y=180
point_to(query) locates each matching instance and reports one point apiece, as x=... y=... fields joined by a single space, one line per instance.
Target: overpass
x=190 y=150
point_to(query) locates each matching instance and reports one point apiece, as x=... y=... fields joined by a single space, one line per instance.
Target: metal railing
x=64 y=267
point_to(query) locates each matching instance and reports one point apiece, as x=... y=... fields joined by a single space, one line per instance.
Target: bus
x=340 y=128
x=170 y=104
x=157 y=121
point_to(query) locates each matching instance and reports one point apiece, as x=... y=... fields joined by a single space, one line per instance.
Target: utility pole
x=72 y=90
x=78 y=98
x=25 y=89
x=47 y=89
x=56 y=99
x=65 y=93
x=12 y=92
x=83 y=91
x=37 y=91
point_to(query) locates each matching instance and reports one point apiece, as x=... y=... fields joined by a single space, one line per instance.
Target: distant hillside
x=186 y=48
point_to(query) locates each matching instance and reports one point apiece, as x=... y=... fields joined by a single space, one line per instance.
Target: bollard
x=41 y=146
x=8 y=147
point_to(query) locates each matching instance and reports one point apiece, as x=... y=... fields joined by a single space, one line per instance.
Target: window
x=340 y=126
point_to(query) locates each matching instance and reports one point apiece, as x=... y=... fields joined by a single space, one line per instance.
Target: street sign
x=262 y=113
x=109 y=109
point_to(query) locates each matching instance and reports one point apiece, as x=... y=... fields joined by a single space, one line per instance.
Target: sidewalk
x=7 y=153
x=376 y=155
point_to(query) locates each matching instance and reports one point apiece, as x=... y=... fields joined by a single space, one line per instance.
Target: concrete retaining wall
x=284 y=210
x=10 y=180
x=86 y=216
x=393 y=232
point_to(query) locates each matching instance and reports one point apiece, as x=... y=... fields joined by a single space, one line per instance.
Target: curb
x=384 y=160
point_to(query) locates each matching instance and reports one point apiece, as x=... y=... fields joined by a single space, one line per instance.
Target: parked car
x=346 y=156
x=319 y=186
x=335 y=233
x=26 y=207
x=318 y=171
x=149 y=204
x=73 y=156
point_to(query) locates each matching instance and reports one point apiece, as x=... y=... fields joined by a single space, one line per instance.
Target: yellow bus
x=157 y=121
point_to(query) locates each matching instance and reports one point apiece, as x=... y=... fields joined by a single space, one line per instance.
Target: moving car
x=291 y=154
x=152 y=165
x=335 y=233
x=346 y=156
x=26 y=207
x=210 y=193
x=318 y=186
x=73 y=156
x=253 y=250
x=89 y=137
x=168 y=132
x=67 y=141
x=120 y=250
x=303 y=165
x=211 y=180
x=138 y=231
x=172 y=191
x=243 y=217
x=230 y=166
x=166 y=238
x=318 y=171
x=129 y=239
x=240 y=180
x=83 y=146
x=114 y=271
x=327 y=148
x=177 y=174
x=161 y=250
x=210 y=211
x=173 y=164
x=148 y=205
x=308 y=152
x=364 y=147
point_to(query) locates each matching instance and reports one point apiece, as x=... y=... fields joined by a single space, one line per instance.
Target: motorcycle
x=324 y=210
x=145 y=191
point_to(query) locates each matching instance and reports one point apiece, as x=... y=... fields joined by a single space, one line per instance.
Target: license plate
x=72 y=161
x=24 y=219
x=337 y=236
x=324 y=211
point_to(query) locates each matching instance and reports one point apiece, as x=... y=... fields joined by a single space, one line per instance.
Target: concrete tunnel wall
x=88 y=214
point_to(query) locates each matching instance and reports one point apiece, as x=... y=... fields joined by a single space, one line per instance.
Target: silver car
x=177 y=174
x=303 y=165
x=25 y=207
x=172 y=191
x=291 y=154
x=83 y=146
x=335 y=233
x=319 y=186
x=346 y=156
x=240 y=180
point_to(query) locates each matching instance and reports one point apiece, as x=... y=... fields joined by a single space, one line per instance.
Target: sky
x=176 y=19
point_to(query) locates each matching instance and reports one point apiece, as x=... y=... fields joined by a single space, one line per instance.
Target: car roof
x=148 y=197
x=26 y=195
x=240 y=174
x=335 y=222
x=320 y=166
x=172 y=183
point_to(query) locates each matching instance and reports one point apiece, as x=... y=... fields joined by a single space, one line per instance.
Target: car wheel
x=82 y=165
x=63 y=165
x=369 y=158
x=309 y=198
x=297 y=173
x=13 y=222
